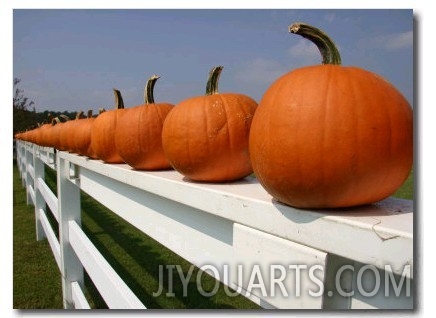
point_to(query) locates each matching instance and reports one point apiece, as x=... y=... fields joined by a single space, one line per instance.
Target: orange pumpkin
x=103 y=132
x=54 y=137
x=205 y=138
x=66 y=137
x=138 y=135
x=81 y=136
x=41 y=131
x=36 y=133
x=329 y=136
x=90 y=152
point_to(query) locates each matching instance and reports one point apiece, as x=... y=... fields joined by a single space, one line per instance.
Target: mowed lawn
x=134 y=255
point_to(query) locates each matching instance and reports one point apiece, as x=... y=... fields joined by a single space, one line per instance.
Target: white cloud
x=261 y=71
x=330 y=17
x=306 y=52
x=399 y=41
x=395 y=41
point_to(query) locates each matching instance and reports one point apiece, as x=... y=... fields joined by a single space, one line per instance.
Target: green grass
x=37 y=280
x=407 y=189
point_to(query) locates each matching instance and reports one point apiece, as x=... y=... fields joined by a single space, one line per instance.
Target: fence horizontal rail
x=222 y=224
x=31 y=193
x=51 y=237
x=385 y=226
x=49 y=197
x=79 y=298
x=113 y=289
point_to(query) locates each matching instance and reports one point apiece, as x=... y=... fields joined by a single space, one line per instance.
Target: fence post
x=18 y=158
x=28 y=181
x=23 y=164
x=69 y=209
x=40 y=204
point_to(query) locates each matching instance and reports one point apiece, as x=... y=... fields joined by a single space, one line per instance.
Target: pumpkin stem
x=49 y=118
x=79 y=114
x=212 y=82
x=328 y=50
x=89 y=115
x=119 y=103
x=149 y=89
x=64 y=117
x=55 y=121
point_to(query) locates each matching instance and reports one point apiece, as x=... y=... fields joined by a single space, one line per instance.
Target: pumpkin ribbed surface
x=330 y=136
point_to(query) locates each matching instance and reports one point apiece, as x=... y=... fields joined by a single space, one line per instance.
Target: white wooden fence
x=277 y=256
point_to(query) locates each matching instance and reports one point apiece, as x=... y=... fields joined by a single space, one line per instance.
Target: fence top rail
x=378 y=234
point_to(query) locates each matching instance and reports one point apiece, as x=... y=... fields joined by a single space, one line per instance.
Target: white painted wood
x=201 y=238
x=79 y=298
x=31 y=171
x=49 y=197
x=69 y=209
x=376 y=234
x=28 y=174
x=23 y=164
x=47 y=155
x=51 y=237
x=39 y=201
x=337 y=283
x=30 y=195
x=377 y=289
x=289 y=276
x=112 y=288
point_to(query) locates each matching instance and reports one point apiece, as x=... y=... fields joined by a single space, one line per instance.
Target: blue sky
x=71 y=59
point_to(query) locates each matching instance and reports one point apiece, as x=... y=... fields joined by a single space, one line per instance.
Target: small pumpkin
x=205 y=138
x=81 y=135
x=103 y=132
x=138 y=136
x=41 y=138
x=54 y=134
x=66 y=138
x=330 y=136
x=90 y=152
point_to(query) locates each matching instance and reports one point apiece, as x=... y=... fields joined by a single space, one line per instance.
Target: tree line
x=25 y=116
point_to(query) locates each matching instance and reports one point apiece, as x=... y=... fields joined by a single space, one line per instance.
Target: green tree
x=24 y=117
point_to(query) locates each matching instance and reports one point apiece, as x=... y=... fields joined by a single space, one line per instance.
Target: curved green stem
x=119 y=103
x=328 y=50
x=149 y=89
x=212 y=82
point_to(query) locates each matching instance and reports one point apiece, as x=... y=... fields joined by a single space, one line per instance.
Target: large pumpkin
x=205 y=138
x=328 y=136
x=138 y=136
x=103 y=132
